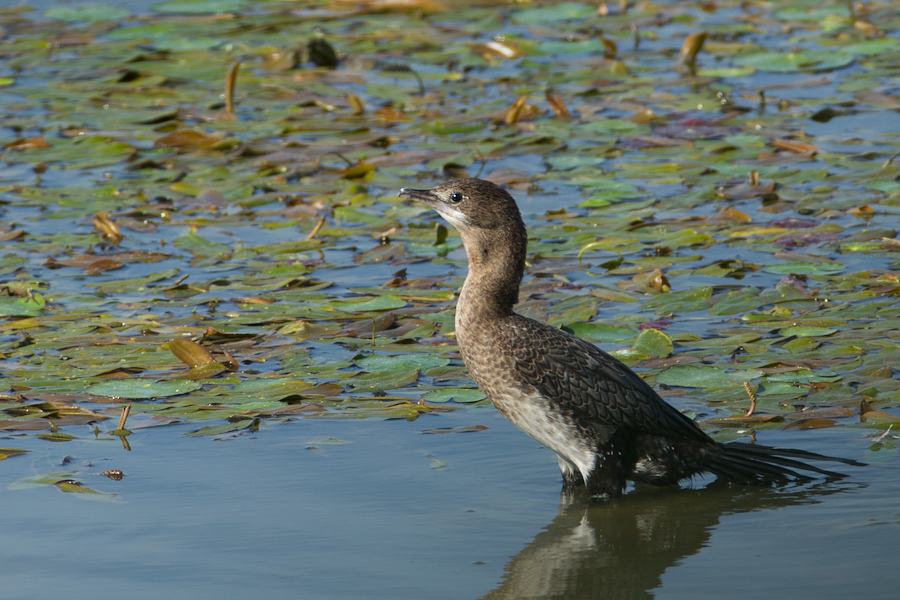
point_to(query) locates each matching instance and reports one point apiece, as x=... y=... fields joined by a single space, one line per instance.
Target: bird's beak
x=423 y=196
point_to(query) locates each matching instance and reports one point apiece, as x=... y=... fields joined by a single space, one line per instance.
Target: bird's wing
x=591 y=383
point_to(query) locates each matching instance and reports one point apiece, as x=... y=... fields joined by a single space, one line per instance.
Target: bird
x=606 y=424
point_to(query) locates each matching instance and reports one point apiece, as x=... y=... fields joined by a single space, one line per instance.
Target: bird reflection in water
x=619 y=549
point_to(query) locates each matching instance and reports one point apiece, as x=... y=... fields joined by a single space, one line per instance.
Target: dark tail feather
x=751 y=463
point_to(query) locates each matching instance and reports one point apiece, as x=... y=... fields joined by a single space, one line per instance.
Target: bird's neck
x=495 y=272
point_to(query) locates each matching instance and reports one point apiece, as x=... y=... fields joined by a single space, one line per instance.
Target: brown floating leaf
x=391 y=115
x=102 y=265
x=463 y=429
x=878 y=99
x=863 y=211
x=794 y=146
x=650 y=281
x=691 y=46
x=610 y=50
x=422 y=6
x=745 y=191
x=285 y=60
x=202 y=372
x=27 y=143
x=15 y=234
x=84 y=261
x=291 y=409
x=356 y=104
x=662 y=142
x=810 y=424
x=185 y=138
x=828 y=412
x=230 y=81
x=744 y=420
x=371 y=326
x=25 y=424
x=879 y=416
x=509 y=176
x=323 y=390
x=191 y=353
x=557 y=105
x=209 y=198
x=512 y=114
x=108 y=230
x=361 y=169
x=730 y=215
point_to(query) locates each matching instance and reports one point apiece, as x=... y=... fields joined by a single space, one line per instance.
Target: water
x=393 y=513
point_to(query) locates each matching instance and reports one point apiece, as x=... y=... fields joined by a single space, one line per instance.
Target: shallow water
x=363 y=509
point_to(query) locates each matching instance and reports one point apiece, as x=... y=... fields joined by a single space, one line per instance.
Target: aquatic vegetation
x=200 y=216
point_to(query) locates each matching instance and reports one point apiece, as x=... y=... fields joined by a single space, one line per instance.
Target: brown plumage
x=603 y=421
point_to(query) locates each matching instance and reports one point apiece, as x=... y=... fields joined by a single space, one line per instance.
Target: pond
x=228 y=346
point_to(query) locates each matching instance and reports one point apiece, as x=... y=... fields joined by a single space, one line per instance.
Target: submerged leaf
x=245 y=424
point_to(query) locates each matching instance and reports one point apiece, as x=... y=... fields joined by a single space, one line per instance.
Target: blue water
x=394 y=513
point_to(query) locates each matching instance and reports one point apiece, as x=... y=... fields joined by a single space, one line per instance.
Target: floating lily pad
x=596 y=332
x=705 y=377
x=201 y=7
x=564 y=11
x=86 y=12
x=653 y=342
x=30 y=306
x=463 y=395
x=375 y=304
x=402 y=362
x=801 y=331
x=793 y=62
x=213 y=430
x=9 y=452
x=140 y=389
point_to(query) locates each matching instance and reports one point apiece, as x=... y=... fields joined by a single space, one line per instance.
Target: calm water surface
x=365 y=509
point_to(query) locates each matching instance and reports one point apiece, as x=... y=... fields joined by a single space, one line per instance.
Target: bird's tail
x=750 y=463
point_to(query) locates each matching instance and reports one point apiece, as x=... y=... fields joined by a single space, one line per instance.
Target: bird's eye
x=456 y=197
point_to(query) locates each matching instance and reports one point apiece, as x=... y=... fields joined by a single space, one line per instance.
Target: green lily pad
x=87 y=12
x=795 y=62
x=705 y=377
x=564 y=11
x=387 y=302
x=872 y=47
x=801 y=331
x=141 y=389
x=380 y=362
x=723 y=72
x=10 y=452
x=462 y=395
x=596 y=332
x=213 y=430
x=653 y=342
x=30 y=306
x=802 y=268
x=199 y=7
